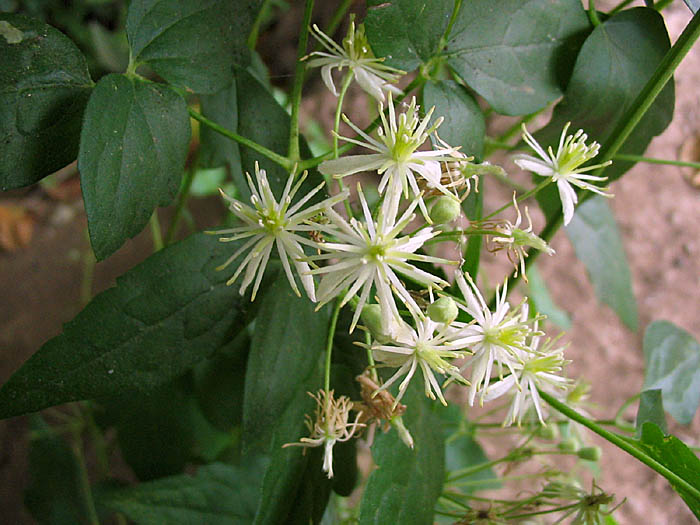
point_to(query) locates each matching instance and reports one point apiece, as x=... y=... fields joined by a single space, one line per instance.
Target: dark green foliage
x=192 y=44
x=44 y=86
x=163 y=316
x=407 y=482
x=132 y=155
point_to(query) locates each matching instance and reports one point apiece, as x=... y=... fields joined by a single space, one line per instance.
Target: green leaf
x=163 y=316
x=391 y=30
x=132 y=154
x=216 y=150
x=672 y=364
x=596 y=239
x=191 y=44
x=651 y=408
x=54 y=494
x=464 y=123
x=516 y=53
x=154 y=429
x=407 y=482
x=44 y=86
x=287 y=345
x=542 y=301
x=217 y=494
x=677 y=457
x=608 y=75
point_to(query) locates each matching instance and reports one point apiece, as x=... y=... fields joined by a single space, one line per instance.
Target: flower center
x=271 y=220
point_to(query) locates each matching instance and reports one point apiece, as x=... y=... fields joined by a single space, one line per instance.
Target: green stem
x=329 y=345
x=83 y=478
x=336 y=128
x=181 y=201
x=293 y=152
x=650 y=160
x=627 y=124
x=619 y=7
x=453 y=18
x=593 y=14
x=156 y=232
x=315 y=161
x=620 y=442
x=275 y=157
x=370 y=358
x=253 y=37
x=521 y=198
x=651 y=90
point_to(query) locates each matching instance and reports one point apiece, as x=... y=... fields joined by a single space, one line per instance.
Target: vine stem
x=156 y=232
x=651 y=160
x=521 y=198
x=622 y=131
x=293 y=152
x=620 y=442
x=329 y=346
x=181 y=201
x=274 y=157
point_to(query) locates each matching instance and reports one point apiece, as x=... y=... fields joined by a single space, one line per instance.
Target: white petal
x=352 y=164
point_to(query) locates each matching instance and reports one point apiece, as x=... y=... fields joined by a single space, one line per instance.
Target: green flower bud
x=446 y=209
x=549 y=432
x=372 y=320
x=568 y=445
x=444 y=310
x=590 y=453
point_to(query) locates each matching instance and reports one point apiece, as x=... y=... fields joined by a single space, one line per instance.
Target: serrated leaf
x=608 y=75
x=54 y=495
x=191 y=44
x=672 y=364
x=516 y=53
x=132 y=155
x=163 y=316
x=216 y=494
x=593 y=232
x=651 y=408
x=391 y=30
x=407 y=482
x=44 y=87
x=677 y=457
x=542 y=300
x=464 y=123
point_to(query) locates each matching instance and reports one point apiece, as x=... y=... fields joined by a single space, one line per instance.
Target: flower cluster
x=381 y=262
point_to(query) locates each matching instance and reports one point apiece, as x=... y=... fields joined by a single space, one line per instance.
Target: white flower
x=495 y=337
x=536 y=369
x=515 y=240
x=271 y=223
x=564 y=166
x=369 y=253
x=373 y=76
x=429 y=347
x=330 y=426
x=396 y=158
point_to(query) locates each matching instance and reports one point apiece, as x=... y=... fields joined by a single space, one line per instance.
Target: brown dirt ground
x=659 y=217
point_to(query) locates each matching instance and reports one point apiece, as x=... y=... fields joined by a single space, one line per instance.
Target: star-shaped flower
x=372 y=253
x=564 y=167
x=271 y=223
x=397 y=157
x=494 y=337
x=355 y=54
x=429 y=346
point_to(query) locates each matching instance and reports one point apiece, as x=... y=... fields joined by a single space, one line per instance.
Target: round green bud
x=590 y=453
x=446 y=209
x=549 y=432
x=568 y=445
x=444 y=310
x=372 y=320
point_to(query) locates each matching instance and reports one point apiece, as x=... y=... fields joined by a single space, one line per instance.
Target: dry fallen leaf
x=16 y=227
